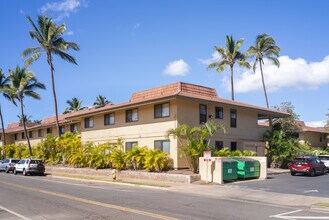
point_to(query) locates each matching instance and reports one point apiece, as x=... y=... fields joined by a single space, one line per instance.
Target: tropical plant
x=99 y=156
x=248 y=153
x=327 y=122
x=290 y=124
x=74 y=105
x=230 y=55
x=265 y=47
x=236 y=153
x=4 y=85
x=117 y=159
x=50 y=40
x=157 y=160
x=26 y=118
x=22 y=84
x=224 y=152
x=101 y=101
x=136 y=157
x=195 y=140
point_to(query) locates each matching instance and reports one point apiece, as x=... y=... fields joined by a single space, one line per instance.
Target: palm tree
x=74 y=105
x=49 y=37
x=26 y=118
x=230 y=55
x=4 y=85
x=264 y=47
x=22 y=84
x=101 y=101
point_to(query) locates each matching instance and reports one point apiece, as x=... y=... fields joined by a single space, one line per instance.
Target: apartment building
x=148 y=116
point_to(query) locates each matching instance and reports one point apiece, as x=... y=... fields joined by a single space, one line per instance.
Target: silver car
x=325 y=160
x=8 y=165
x=30 y=166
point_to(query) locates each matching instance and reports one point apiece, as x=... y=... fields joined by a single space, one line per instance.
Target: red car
x=309 y=165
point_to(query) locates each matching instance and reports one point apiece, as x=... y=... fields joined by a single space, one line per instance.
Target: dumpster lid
x=244 y=159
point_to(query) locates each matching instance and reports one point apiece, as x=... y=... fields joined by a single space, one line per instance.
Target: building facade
x=148 y=116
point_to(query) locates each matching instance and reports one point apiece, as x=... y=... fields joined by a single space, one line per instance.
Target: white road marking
x=311 y=191
x=14 y=213
x=285 y=216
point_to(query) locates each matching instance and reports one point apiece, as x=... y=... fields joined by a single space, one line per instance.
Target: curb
x=320 y=208
x=111 y=182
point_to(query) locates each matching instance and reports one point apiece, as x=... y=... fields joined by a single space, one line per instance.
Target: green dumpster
x=247 y=168
x=230 y=168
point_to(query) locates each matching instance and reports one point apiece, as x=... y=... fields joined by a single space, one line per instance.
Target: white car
x=29 y=166
x=325 y=160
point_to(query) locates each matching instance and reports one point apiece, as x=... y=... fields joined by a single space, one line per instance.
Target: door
x=19 y=166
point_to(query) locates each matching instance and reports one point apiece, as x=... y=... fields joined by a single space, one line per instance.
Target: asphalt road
x=35 y=197
x=285 y=183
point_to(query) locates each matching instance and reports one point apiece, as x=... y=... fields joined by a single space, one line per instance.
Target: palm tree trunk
x=24 y=125
x=232 y=84
x=3 y=133
x=49 y=59
x=263 y=81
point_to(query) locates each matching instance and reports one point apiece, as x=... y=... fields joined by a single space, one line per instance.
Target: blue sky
x=128 y=46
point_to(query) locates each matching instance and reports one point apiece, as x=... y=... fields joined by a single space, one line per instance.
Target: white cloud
x=293 y=73
x=214 y=57
x=177 y=68
x=316 y=124
x=62 y=9
x=70 y=33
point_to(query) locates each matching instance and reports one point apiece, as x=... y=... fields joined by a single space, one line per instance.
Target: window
x=40 y=133
x=219 y=145
x=219 y=112
x=109 y=119
x=23 y=135
x=89 y=122
x=161 y=110
x=61 y=129
x=203 y=113
x=233 y=118
x=73 y=127
x=15 y=137
x=132 y=115
x=320 y=137
x=130 y=145
x=162 y=145
x=233 y=146
x=49 y=130
x=30 y=134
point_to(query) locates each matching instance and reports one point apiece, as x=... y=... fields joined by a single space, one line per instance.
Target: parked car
x=325 y=160
x=30 y=166
x=309 y=165
x=8 y=164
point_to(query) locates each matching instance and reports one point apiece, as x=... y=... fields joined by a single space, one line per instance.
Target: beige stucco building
x=148 y=116
x=316 y=137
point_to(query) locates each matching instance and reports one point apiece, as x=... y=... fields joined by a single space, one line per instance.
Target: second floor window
x=73 y=127
x=30 y=134
x=219 y=112
x=49 y=130
x=39 y=133
x=61 y=129
x=89 y=122
x=203 y=113
x=161 y=110
x=109 y=119
x=233 y=118
x=132 y=115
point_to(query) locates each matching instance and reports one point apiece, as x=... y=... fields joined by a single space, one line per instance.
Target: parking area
x=285 y=183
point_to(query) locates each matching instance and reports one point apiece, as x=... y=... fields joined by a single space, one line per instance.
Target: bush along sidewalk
x=69 y=150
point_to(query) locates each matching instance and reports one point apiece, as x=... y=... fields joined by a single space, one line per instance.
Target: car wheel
x=292 y=173
x=24 y=172
x=324 y=171
x=312 y=173
x=6 y=170
x=15 y=171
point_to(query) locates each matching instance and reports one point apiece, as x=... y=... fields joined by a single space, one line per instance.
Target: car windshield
x=324 y=157
x=35 y=162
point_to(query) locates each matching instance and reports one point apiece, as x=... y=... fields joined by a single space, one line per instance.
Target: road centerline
x=92 y=202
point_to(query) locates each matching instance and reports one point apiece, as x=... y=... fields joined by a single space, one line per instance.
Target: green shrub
x=224 y=152
x=248 y=153
x=99 y=156
x=117 y=159
x=235 y=153
x=157 y=160
x=135 y=158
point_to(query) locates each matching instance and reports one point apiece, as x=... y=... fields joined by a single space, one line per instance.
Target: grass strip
x=322 y=204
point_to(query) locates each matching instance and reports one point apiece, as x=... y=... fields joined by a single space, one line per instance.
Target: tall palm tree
x=230 y=55
x=74 y=105
x=264 y=47
x=101 y=101
x=49 y=37
x=22 y=84
x=4 y=85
